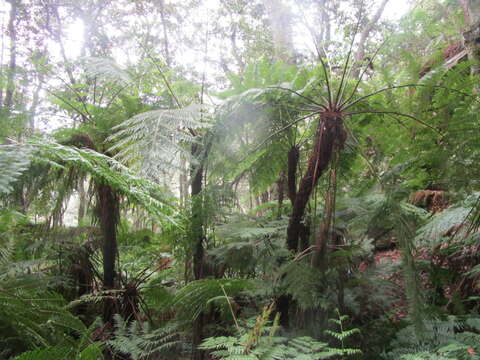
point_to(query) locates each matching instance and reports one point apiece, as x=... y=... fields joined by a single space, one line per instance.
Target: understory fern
x=140 y=341
x=441 y=340
x=260 y=342
x=194 y=298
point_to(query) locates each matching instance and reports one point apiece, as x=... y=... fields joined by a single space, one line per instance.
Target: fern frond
x=194 y=298
x=106 y=170
x=154 y=138
x=107 y=70
x=14 y=160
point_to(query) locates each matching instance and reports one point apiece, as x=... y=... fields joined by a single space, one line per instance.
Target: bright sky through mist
x=394 y=10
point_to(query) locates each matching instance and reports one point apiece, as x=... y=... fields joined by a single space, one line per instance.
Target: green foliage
x=14 y=160
x=32 y=316
x=447 y=222
x=92 y=352
x=447 y=339
x=342 y=334
x=140 y=341
x=106 y=170
x=153 y=139
x=195 y=297
x=260 y=342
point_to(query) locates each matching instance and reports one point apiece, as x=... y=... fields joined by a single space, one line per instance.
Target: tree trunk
x=293 y=158
x=108 y=217
x=280 y=21
x=12 y=64
x=82 y=201
x=197 y=223
x=367 y=29
x=325 y=230
x=280 y=194
x=166 y=47
x=196 y=174
x=471 y=37
x=329 y=132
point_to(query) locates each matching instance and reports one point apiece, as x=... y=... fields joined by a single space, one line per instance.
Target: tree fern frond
x=14 y=160
x=194 y=298
x=106 y=69
x=109 y=171
x=142 y=342
x=155 y=137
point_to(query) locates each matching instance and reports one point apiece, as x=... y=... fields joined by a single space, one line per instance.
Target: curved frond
x=154 y=138
x=107 y=170
x=14 y=160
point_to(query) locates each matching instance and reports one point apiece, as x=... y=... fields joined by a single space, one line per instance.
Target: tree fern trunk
x=108 y=218
x=329 y=131
x=12 y=64
x=292 y=165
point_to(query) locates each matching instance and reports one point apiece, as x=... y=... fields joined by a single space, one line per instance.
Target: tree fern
x=105 y=170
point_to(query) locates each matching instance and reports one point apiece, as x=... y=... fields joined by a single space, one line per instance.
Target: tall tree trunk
x=280 y=21
x=12 y=64
x=329 y=131
x=166 y=47
x=293 y=157
x=108 y=216
x=471 y=37
x=197 y=235
x=362 y=42
x=82 y=201
x=183 y=181
x=280 y=194
x=325 y=230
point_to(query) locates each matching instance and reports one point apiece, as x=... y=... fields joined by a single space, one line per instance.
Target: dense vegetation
x=240 y=179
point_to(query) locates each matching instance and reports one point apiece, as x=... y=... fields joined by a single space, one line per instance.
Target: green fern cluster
x=260 y=342
x=140 y=341
x=446 y=340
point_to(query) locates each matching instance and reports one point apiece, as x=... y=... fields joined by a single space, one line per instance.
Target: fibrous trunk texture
x=108 y=217
x=292 y=165
x=329 y=134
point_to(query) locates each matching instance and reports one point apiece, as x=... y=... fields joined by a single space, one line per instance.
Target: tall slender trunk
x=325 y=230
x=197 y=234
x=279 y=16
x=12 y=64
x=166 y=47
x=108 y=216
x=329 y=131
x=293 y=157
x=367 y=29
x=82 y=201
x=280 y=194
x=471 y=37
